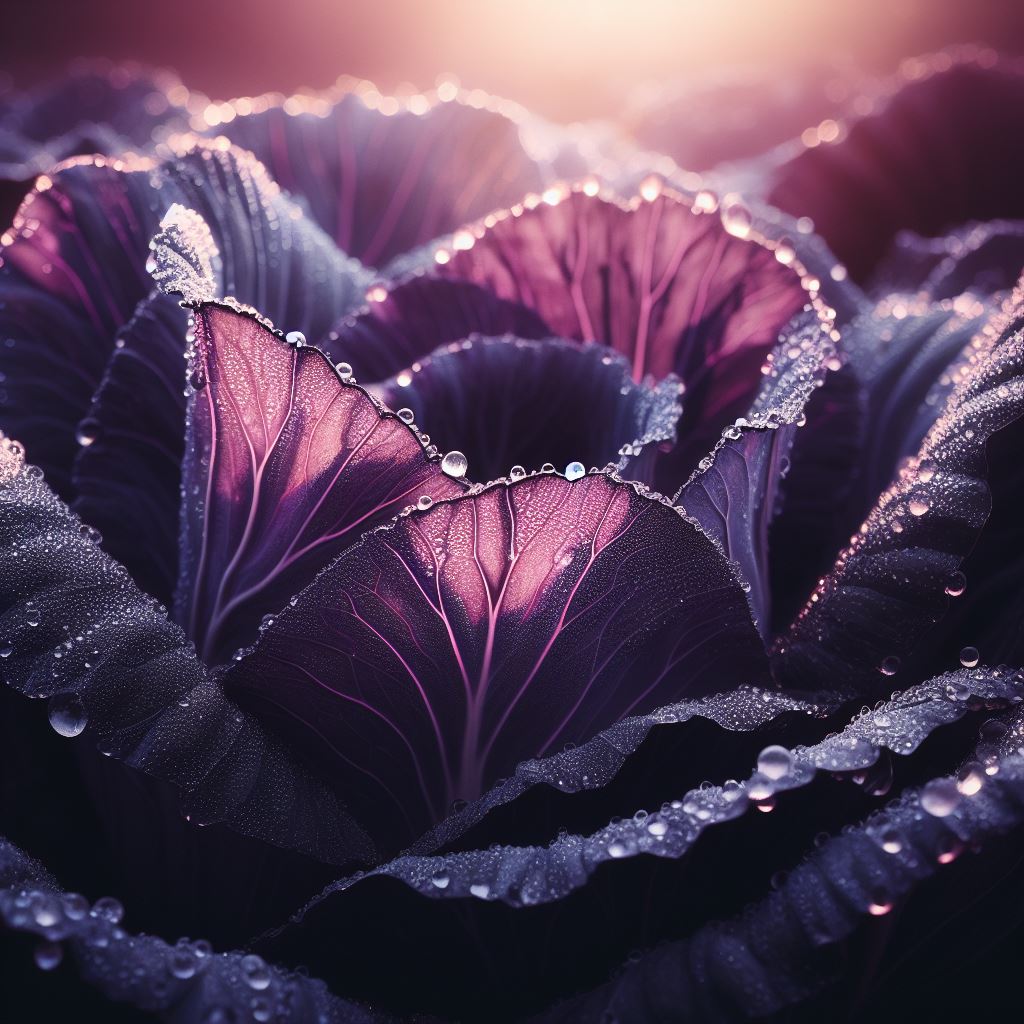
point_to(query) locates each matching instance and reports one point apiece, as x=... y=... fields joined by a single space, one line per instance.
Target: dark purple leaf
x=76 y=631
x=788 y=946
x=287 y=463
x=941 y=151
x=97 y=107
x=381 y=176
x=439 y=653
x=410 y=320
x=74 y=271
x=506 y=402
x=891 y=584
x=734 y=492
x=128 y=473
x=183 y=982
x=979 y=258
x=655 y=279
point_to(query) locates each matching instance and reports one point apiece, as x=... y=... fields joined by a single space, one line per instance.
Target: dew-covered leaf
x=531 y=875
x=76 y=631
x=892 y=583
x=787 y=947
x=734 y=492
x=508 y=402
x=96 y=108
x=673 y=289
x=127 y=475
x=440 y=652
x=74 y=271
x=183 y=982
x=382 y=176
x=940 y=151
x=287 y=463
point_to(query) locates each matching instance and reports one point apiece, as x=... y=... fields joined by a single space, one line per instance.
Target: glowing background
x=563 y=58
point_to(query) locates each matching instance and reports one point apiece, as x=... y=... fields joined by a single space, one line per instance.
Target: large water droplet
x=440 y=879
x=296 y=338
x=424 y=502
x=575 y=470
x=736 y=217
x=940 y=797
x=48 y=955
x=455 y=464
x=67 y=714
x=87 y=432
x=918 y=506
x=890 y=666
x=255 y=972
x=969 y=657
x=344 y=370
x=516 y=473
x=106 y=908
x=406 y=415
x=775 y=762
x=956 y=583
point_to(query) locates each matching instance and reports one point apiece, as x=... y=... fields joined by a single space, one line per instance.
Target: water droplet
x=46 y=910
x=880 y=904
x=732 y=790
x=344 y=370
x=548 y=467
x=406 y=415
x=516 y=473
x=481 y=890
x=890 y=665
x=106 y=908
x=969 y=657
x=424 y=502
x=970 y=778
x=296 y=338
x=32 y=616
x=918 y=506
x=891 y=841
x=775 y=762
x=617 y=849
x=736 y=217
x=940 y=797
x=183 y=962
x=255 y=972
x=455 y=464
x=48 y=955
x=67 y=714
x=575 y=470
x=439 y=879
x=6 y=650
x=88 y=431
x=657 y=827
x=956 y=584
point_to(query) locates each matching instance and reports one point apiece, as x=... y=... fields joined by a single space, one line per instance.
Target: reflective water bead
x=296 y=338
x=969 y=657
x=940 y=797
x=956 y=584
x=455 y=464
x=344 y=370
x=406 y=415
x=918 y=506
x=255 y=972
x=775 y=762
x=440 y=879
x=424 y=502
x=891 y=841
x=67 y=714
x=48 y=955
x=574 y=471
x=88 y=431
x=516 y=473
x=481 y=890
x=106 y=908
x=6 y=650
x=970 y=778
x=890 y=666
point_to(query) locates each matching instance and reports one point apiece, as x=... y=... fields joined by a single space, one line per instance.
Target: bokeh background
x=566 y=59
